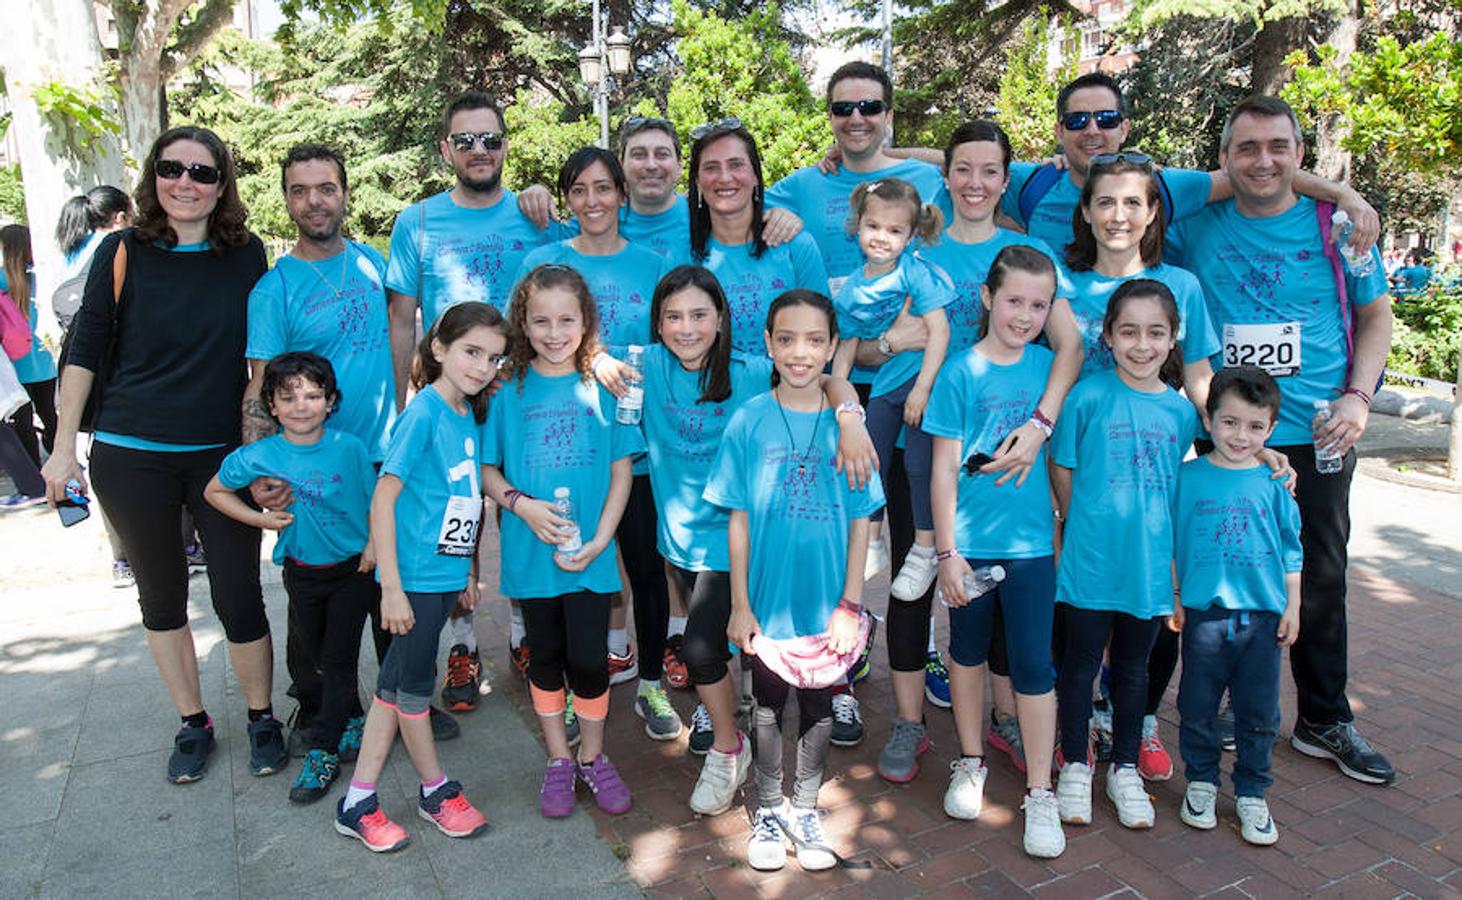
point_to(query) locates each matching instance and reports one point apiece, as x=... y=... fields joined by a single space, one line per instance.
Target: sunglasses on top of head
x=464 y=141
x=1106 y=119
x=1130 y=157
x=844 y=108
x=172 y=170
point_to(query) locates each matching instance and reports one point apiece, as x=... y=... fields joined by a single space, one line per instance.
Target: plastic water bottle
x=627 y=410
x=979 y=582
x=572 y=541
x=1360 y=264
x=1327 y=459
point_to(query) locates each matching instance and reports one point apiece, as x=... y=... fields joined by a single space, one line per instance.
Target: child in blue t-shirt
x=1238 y=562
x=425 y=517
x=322 y=546
x=559 y=465
x=797 y=541
x=1116 y=449
x=887 y=215
x=982 y=395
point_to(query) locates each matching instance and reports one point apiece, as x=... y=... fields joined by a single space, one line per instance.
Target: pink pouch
x=806 y=662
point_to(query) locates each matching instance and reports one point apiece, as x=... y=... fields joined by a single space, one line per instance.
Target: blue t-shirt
x=465 y=254
x=1414 y=278
x=968 y=265
x=682 y=435
x=434 y=451
x=332 y=480
x=1051 y=220
x=38 y=364
x=622 y=283
x=667 y=233
x=1088 y=292
x=1124 y=448
x=779 y=466
x=979 y=403
x=556 y=432
x=751 y=284
x=1265 y=278
x=335 y=307
x=821 y=202
x=1238 y=534
x=867 y=307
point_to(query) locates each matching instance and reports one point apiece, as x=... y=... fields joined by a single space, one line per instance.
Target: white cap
x=1322 y=404
x=1339 y=217
x=560 y=492
x=997 y=573
x=636 y=348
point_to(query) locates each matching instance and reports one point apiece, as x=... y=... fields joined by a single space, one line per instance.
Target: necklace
x=801 y=460
x=344 y=271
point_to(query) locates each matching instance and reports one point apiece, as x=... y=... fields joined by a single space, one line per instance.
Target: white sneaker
x=766 y=849
x=1200 y=805
x=721 y=775
x=1044 y=838
x=1073 y=793
x=876 y=561
x=915 y=576
x=813 y=852
x=966 y=794
x=1255 y=824
x=1129 y=795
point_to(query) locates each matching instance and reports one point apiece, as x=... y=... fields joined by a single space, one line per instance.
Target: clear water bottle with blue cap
x=1360 y=263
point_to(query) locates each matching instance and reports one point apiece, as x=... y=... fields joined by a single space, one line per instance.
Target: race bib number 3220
x=1273 y=347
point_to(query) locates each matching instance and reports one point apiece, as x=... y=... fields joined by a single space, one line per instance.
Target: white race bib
x=835 y=284
x=1273 y=347
x=458 y=536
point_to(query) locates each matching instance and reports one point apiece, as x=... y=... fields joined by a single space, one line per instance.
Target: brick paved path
x=1338 y=837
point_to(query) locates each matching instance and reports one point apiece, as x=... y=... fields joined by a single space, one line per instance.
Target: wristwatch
x=883 y=345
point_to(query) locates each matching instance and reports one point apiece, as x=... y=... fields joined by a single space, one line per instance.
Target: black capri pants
x=706 y=649
x=145 y=492
x=569 y=635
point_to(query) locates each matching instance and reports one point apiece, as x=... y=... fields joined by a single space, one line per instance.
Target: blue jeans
x=1237 y=650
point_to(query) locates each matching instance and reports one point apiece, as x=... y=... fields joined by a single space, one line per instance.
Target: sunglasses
x=1131 y=157
x=635 y=124
x=464 y=141
x=172 y=170
x=1106 y=119
x=844 y=108
x=728 y=124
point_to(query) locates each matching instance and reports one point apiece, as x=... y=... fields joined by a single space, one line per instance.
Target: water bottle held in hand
x=1327 y=458
x=572 y=541
x=1359 y=263
x=979 y=582
x=627 y=411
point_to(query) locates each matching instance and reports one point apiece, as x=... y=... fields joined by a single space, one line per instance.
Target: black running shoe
x=444 y=726
x=267 y=752
x=1343 y=744
x=190 y=753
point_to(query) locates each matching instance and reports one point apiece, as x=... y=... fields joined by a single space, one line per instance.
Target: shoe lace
x=845 y=710
x=1151 y=743
x=569 y=716
x=700 y=720
x=766 y=826
x=459 y=669
x=905 y=737
x=313 y=767
x=809 y=828
x=1041 y=808
x=659 y=703
x=934 y=665
x=1348 y=733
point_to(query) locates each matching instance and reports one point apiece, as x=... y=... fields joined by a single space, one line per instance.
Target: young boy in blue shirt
x=1238 y=564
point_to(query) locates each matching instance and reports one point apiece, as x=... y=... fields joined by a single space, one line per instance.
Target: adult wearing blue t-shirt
x=1272 y=289
x=462 y=244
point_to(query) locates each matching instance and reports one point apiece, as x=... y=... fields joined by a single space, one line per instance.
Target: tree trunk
x=55 y=41
x=1331 y=160
x=1276 y=40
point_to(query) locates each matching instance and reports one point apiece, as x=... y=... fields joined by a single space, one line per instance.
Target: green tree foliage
x=1026 y=103
x=12 y=195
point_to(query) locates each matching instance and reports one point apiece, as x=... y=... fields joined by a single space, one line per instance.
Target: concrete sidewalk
x=85 y=731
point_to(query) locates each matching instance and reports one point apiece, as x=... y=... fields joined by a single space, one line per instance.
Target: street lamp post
x=602 y=59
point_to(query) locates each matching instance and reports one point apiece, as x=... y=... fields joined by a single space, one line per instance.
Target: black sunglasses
x=172 y=170
x=464 y=141
x=1106 y=119
x=844 y=108
x=726 y=125
x=635 y=124
x=1131 y=157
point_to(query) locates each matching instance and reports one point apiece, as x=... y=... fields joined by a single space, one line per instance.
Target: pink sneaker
x=556 y=799
x=367 y=823
x=609 y=790
x=448 y=809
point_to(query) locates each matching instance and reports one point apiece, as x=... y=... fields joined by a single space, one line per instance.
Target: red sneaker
x=623 y=668
x=1153 y=761
x=520 y=657
x=448 y=809
x=675 y=673
x=367 y=823
x=462 y=686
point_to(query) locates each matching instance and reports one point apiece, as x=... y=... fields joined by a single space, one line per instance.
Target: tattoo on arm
x=258 y=424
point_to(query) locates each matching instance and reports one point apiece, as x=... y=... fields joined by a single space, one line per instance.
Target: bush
x=1428 y=328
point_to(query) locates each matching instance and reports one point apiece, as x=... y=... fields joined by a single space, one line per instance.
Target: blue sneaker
x=349 y=747
x=936 y=681
x=318 y=771
x=861 y=668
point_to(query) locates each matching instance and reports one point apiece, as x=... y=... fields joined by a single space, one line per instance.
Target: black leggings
x=706 y=650
x=814 y=729
x=569 y=635
x=1161 y=664
x=908 y=623
x=328 y=606
x=1087 y=632
x=42 y=405
x=637 y=544
x=145 y=493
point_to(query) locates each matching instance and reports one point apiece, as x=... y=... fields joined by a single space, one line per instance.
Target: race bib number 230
x=458 y=535
x=1273 y=347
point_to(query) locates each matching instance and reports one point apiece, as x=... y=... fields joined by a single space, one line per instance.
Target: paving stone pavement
x=85 y=732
